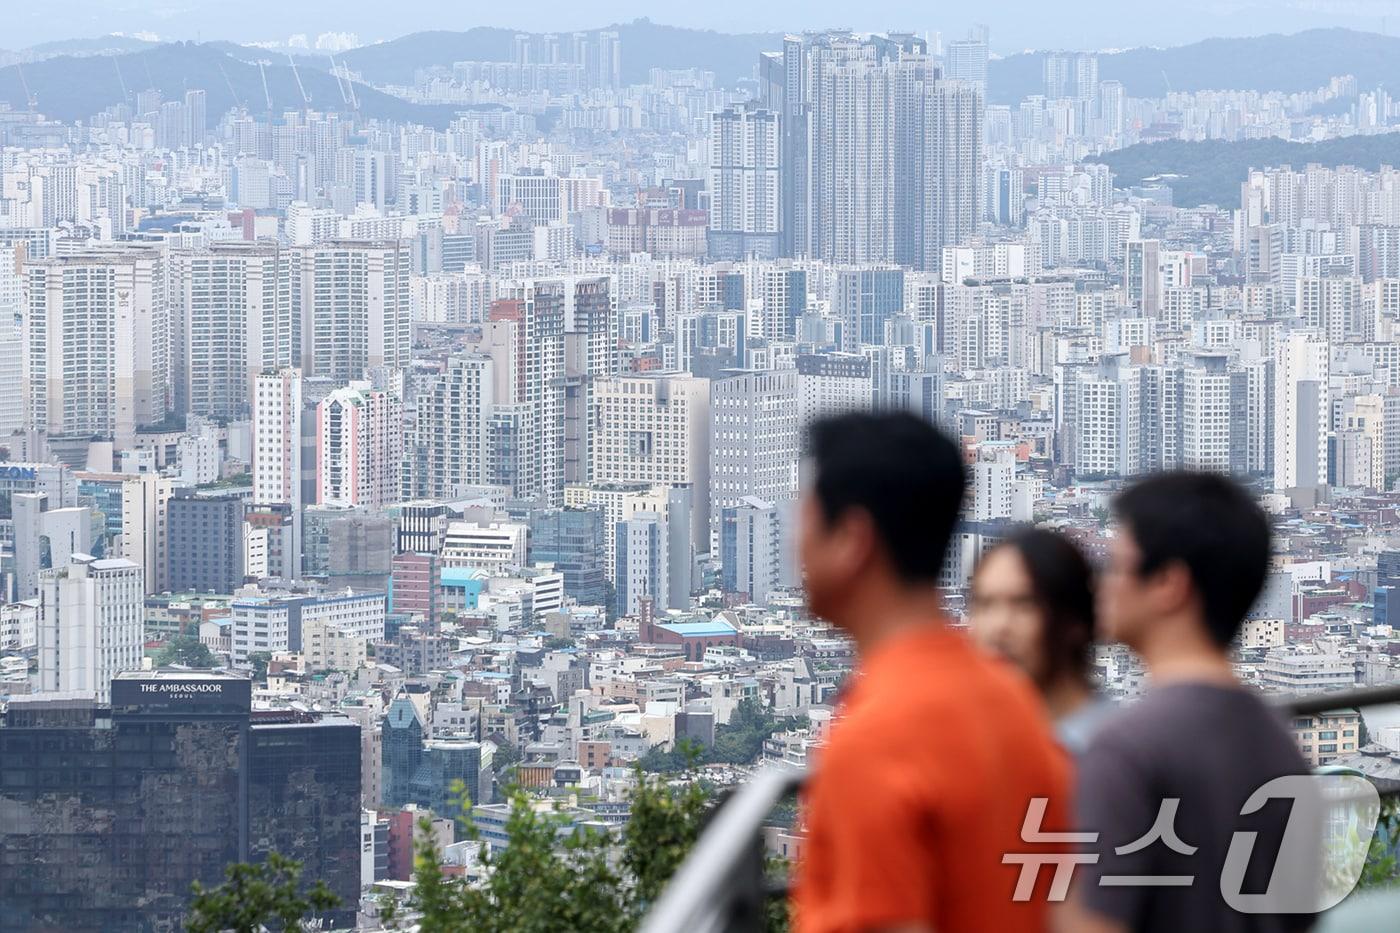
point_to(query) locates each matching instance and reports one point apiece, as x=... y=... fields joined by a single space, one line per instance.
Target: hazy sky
x=1015 y=24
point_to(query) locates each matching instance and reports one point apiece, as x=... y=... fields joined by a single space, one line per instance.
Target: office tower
x=232 y=308
x=205 y=535
x=170 y=784
x=618 y=502
x=655 y=428
x=134 y=509
x=572 y=539
x=754 y=443
x=863 y=300
x=832 y=384
x=97 y=329
x=359 y=447
x=1301 y=412
x=642 y=548
x=352 y=299
x=451 y=442
x=91 y=615
x=745 y=182
x=756 y=548
x=420 y=770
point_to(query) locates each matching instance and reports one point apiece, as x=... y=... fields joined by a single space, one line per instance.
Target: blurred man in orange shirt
x=939 y=751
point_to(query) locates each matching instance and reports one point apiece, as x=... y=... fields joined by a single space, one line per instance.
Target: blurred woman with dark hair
x=1032 y=602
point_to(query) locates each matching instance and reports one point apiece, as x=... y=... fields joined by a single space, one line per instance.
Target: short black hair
x=1063 y=584
x=901 y=470
x=1210 y=524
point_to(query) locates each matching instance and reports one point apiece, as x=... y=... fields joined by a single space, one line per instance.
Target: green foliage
x=254 y=896
x=556 y=642
x=1211 y=171
x=259 y=660
x=553 y=876
x=737 y=742
x=187 y=650
x=1382 y=869
x=556 y=877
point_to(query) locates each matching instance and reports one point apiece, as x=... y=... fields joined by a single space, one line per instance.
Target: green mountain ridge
x=77 y=87
x=1211 y=172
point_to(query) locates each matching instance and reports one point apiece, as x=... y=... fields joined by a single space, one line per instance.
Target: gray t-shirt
x=1210 y=747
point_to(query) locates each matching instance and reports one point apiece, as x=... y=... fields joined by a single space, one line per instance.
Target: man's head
x=880 y=504
x=1191 y=551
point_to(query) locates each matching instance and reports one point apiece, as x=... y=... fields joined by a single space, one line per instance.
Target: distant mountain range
x=1299 y=62
x=77 y=87
x=1211 y=172
x=78 y=78
x=645 y=45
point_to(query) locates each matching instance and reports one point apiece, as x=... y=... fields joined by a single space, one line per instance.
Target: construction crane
x=347 y=90
x=262 y=69
x=30 y=99
x=126 y=94
x=296 y=74
x=231 y=92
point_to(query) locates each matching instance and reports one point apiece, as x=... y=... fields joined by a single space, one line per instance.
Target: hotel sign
x=177 y=695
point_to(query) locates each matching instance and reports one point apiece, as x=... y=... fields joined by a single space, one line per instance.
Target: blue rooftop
x=698 y=629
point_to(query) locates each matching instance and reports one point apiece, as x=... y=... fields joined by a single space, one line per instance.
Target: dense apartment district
x=347 y=459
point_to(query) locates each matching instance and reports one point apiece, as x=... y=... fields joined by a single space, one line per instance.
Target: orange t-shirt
x=922 y=788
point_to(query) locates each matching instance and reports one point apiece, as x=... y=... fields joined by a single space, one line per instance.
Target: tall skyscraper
x=880 y=156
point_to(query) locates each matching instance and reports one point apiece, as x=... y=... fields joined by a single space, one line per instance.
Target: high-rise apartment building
x=232 y=313
x=359 y=447
x=352 y=299
x=1302 y=411
x=745 y=182
x=97 y=339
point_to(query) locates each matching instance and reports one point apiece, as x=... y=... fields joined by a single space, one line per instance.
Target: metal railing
x=722 y=888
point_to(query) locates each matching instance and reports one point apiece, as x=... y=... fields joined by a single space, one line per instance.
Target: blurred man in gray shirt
x=1163 y=785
